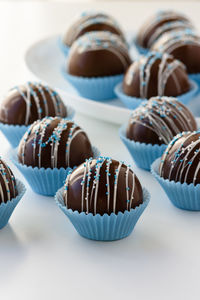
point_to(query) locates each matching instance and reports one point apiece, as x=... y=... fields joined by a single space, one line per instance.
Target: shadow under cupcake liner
x=64 y=48
x=133 y=102
x=14 y=133
x=44 y=181
x=95 y=88
x=143 y=154
x=107 y=227
x=6 y=209
x=182 y=195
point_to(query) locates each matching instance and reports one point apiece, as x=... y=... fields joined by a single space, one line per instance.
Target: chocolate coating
x=183 y=45
x=29 y=102
x=102 y=186
x=91 y=21
x=181 y=160
x=54 y=143
x=158 y=24
x=159 y=120
x=8 y=189
x=156 y=74
x=98 y=53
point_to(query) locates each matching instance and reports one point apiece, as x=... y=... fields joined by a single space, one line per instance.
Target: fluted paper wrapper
x=6 y=209
x=107 y=227
x=182 y=195
x=143 y=154
x=95 y=88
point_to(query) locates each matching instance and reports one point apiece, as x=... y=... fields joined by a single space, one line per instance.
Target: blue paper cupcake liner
x=182 y=195
x=44 y=181
x=64 y=48
x=107 y=227
x=14 y=133
x=133 y=102
x=6 y=209
x=99 y=88
x=143 y=154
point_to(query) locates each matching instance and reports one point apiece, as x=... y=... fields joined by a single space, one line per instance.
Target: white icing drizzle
x=181 y=156
x=145 y=64
x=160 y=113
x=38 y=129
x=166 y=27
x=90 y=189
x=86 y=20
x=101 y=40
x=153 y=22
x=7 y=177
x=31 y=91
x=170 y=41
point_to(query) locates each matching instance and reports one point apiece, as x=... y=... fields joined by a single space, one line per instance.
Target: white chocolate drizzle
x=145 y=64
x=160 y=113
x=38 y=129
x=37 y=92
x=86 y=20
x=101 y=40
x=7 y=178
x=184 y=156
x=90 y=189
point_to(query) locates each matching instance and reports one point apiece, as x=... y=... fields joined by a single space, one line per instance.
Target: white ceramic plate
x=44 y=60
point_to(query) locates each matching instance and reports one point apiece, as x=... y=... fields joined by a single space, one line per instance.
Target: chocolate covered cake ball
x=29 y=102
x=98 y=53
x=183 y=45
x=91 y=21
x=102 y=185
x=159 y=120
x=156 y=74
x=158 y=24
x=8 y=189
x=181 y=160
x=54 y=143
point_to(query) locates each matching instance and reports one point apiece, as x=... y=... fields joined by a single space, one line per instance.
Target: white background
x=41 y=255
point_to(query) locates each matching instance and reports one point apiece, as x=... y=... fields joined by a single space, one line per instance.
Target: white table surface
x=41 y=255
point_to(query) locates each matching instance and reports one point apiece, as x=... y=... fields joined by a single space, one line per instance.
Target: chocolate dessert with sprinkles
x=102 y=185
x=91 y=21
x=159 y=120
x=183 y=45
x=156 y=74
x=54 y=143
x=181 y=160
x=8 y=189
x=158 y=24
x=98 y=54
x=27 y=103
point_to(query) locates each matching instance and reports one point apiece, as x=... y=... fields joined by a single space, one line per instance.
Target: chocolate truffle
x=183 y=45
x=98 y=53
x=54 y=143
x=102 y=185
x=159 y=120
x=91 y=21
x=8 y=189
x=181 y=160
x=156 y=75
x=161 y=22
x=29 y=102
